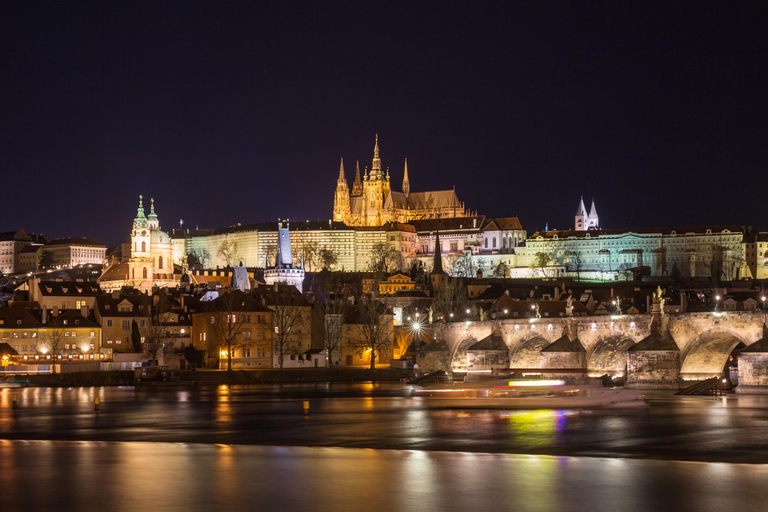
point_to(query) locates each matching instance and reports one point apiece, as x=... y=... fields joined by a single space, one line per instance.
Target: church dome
x=159 y=238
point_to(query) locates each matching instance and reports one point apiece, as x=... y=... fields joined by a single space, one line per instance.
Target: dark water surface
x=727 y=429
x=372 y=447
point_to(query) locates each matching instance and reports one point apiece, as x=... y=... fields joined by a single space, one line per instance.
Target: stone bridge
x=704 y=340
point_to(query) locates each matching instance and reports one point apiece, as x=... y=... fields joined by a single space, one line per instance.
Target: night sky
x=229 y=112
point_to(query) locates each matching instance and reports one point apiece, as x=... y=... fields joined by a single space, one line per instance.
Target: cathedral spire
x=376 y=164
x=357 y=186
x=437 y=268
x=341 y=172
x=406 y=182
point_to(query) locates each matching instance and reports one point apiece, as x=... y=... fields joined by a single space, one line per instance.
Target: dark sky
x=230 y=112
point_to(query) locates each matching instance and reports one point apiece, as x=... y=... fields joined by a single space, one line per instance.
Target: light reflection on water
x=85 y=476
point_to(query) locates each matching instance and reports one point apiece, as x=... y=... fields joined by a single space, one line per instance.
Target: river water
x=372 y=447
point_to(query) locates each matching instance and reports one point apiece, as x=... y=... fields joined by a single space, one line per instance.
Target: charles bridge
x=662 y=351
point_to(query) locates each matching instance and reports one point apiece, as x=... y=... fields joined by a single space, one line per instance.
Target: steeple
x=376 y=164
x=406 y=183
x=593 y=221
x=357 y=186
x=437 y=268
x=152 y=217
x=580 y=223
x=341 y=209
x=141 y=220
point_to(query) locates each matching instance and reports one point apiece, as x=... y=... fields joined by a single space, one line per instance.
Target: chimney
x=45 y=315
x=55 y=311
x=557 y=293
x=84 y=310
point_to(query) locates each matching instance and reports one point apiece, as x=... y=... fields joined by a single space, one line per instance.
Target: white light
x=632 y=325
x=594 y=326
x=507 y=311
x=515 y=383
x=717 y=297
x=467 y=311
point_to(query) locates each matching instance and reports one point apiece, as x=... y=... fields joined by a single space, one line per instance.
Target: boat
x=527 y=394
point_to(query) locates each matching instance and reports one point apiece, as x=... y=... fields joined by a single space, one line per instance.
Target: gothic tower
x=406 y=183
x=592 y=221
x=341 y=211
x=357 y=186
x=581 y=217
x=375 y=190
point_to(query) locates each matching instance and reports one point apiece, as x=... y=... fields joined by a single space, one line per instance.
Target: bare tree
x=228 y=320
x=198 y=257
x=228 y=252
x=501 y=269
x=152 y=341
x=333 y=306
x=286 y=303
x=51 y=341
x=328 y=258
x=376 y=329
x=450 y=301
x=6 y=290
x=311 y=251
x=384 y=258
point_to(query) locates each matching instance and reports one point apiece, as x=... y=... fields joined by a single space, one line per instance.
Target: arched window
x=133 y=273
x=503 y=242
x=486 y=243
x=143 y=246
x=494 y=242
x=160 y=262
x=144 y=272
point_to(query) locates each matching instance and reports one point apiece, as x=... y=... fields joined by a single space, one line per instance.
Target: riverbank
x=216 y=377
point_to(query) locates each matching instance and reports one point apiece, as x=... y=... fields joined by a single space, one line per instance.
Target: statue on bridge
x=658 y=299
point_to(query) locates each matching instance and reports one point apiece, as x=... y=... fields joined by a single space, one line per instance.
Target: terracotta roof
x=68 y=288
x=116 y=272
x=449 y=224
x=508 y=223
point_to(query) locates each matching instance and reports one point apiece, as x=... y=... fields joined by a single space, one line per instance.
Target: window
x=486 y=246
x=213 y=320
x=92 y=334
x=160 y=262
x=93 y=347
x=183 y=331
x=144 y=270
x=66 y=346
x=232 y=319
x=109 y=323
x=246 y=352
x=118 y=340
x=144 y=249
x=66 y=334
x=126 y=325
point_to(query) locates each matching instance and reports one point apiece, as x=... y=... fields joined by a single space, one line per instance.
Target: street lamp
x=763 y=298
x=717 y=303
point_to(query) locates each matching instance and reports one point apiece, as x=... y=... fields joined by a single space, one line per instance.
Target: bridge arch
x=708 y=353
x=609 y=355
x=527 y=352
x=459 y=357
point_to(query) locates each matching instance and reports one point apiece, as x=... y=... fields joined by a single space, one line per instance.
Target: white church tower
x=586 y=221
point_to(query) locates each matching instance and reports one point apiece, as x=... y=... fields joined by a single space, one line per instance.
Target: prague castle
x=372 y=202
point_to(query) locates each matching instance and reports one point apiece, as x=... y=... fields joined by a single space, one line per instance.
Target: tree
x=153 y=343
x=376 y=327
x=51 y=341
x=6 y=290
x=228 y=252
x=286 y=303
x=464 y=265
x=501 y=270
x=539 y=263
x=193 y=356
x=199 y=257
x=135 y=337
x=328 y=258
x=575 y=263
x=311 y=252
x=384 y=258
x=47 y=260
x=333 y=306
x=229 y=319
x=450 y=300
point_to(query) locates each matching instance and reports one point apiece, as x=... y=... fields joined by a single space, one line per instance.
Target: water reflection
x=56 y=475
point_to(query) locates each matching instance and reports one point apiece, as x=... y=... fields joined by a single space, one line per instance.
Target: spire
x=592 y=210
x=437 y=268
x=141 y=220
x=582 y=210
x=357 y=186
x=152 y=217
x=406 y=183
x=341 y=172
x=141 y=206
x=376 y=164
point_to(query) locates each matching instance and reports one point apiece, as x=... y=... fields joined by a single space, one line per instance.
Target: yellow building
x=372 y=201
x=390 y=285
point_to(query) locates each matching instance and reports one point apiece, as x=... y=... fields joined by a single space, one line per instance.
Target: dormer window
x=106 y=307
x=65 y=322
